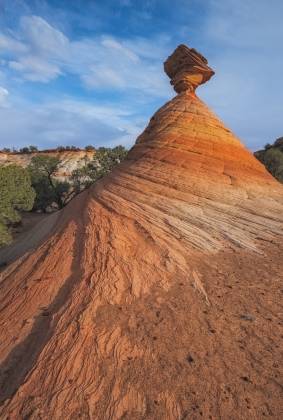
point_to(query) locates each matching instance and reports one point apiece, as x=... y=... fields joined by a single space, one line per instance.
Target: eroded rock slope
x=156 y=295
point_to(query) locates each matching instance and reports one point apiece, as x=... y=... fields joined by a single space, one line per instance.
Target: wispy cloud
x=11 y=45
x=38 y=52
x=35 y=69
x=103 y=62
x=3 y=97
x=66 y=122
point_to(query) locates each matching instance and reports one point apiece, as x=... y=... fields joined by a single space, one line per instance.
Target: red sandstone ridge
x=156 y=294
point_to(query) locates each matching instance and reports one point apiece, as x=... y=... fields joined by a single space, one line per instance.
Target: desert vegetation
x=16 y=195
x=272 y=158
x=48 y=190
x=36 y=187
x=35 y=149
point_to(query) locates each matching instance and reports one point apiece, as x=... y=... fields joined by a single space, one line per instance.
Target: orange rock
x=155 y=294
x=187 y=68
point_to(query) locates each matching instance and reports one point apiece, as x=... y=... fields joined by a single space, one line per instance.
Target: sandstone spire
x=155 y=294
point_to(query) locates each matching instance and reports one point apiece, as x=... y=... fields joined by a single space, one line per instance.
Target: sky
x=80 y=72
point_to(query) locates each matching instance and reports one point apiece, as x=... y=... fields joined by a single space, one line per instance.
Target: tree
x=24 y=150
x=105 y=159
x=279 y=143
x=48 y=189
x=16 y=194
x=60 y=148
x=89 y=148
x=81 y=179
x=272 y=158
x=6 y=150
x=33 y=149
x=273 y=161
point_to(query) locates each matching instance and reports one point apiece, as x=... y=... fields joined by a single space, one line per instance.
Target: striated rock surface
x=187 y=69
x=156 y=294
x=70 y=160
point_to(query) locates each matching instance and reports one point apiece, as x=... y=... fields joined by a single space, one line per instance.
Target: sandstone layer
x=69 y=160
x=156 y=294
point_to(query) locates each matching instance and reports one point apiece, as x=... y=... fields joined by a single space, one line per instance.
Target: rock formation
x=70 y=160
x=156 y=294
x=187 y=69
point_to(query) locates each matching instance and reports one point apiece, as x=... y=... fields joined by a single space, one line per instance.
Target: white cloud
x=102 y=62
x=67 y=122
x=44 y=39
x=108 y=63
x=40 y=53
x=102 y=77
x=114 y=45
x=9 y=44
x=3 y=97
x=36 y=69
x=105 y=63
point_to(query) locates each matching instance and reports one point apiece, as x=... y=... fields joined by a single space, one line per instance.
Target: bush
x=33 y=149
x=48 y=189
x=24 y=150
x=16 y=194
x=89 y=148
x=104 y=160
x=60 y=149
x=272 y=158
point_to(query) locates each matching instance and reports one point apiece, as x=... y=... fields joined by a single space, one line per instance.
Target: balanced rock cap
x=187 y=69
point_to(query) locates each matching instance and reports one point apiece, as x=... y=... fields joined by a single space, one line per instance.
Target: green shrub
x=48 y=190
x=104 y=161
x=16 y=194
x=272 y=158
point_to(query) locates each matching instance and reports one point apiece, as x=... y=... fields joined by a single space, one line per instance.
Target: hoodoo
x=156 y=293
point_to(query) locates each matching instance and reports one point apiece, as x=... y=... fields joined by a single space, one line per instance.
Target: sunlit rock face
x=156 y=295
x=187 y=69
x=69 y=160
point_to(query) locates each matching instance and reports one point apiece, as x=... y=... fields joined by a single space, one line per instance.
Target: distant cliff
x=70 y=159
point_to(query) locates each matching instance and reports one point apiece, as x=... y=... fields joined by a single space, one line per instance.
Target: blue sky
x=81 y=72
